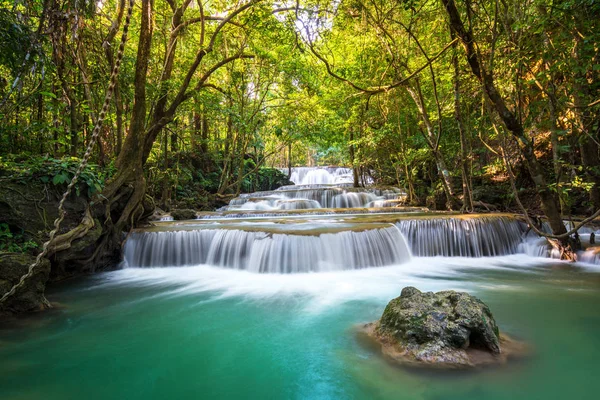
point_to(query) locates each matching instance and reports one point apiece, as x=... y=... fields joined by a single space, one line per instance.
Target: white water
x=268 y=252
x=320 y=175
x=308 y=196
x=463 y=237
x=316 y=187
x=318 y=291
x=320 y=197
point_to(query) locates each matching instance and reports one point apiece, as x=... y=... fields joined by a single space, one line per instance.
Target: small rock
x=184 y=213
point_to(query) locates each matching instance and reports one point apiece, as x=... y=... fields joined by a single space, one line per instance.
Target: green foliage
x=264 y=179
x=15 y=40
x=14 y=242
x=57 y=172
x=250 y=111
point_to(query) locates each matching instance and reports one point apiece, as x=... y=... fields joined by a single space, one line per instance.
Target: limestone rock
x=443 y=329
x=30 y=297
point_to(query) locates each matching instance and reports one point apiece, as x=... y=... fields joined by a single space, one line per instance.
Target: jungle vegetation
x=464 y=103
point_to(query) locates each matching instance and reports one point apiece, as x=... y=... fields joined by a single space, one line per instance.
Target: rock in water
x=183 y=214
x=444 y=329
x=30 y=297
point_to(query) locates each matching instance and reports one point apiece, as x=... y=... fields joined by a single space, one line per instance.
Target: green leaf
x=48 y=94
x=60 y=178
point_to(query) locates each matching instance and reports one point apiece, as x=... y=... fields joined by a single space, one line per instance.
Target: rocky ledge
x=31 y=296
x=446 y=329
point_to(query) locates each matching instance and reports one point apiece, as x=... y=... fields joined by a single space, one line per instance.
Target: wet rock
x=444 y=329
x=158 y=214
x=181 y=214
x=31 y=207
x=31 y=296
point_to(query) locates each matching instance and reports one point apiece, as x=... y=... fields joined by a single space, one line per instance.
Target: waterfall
x=239 y=213
x=320 y=175
x=534 y=246
x=352 y=200
x=591 y=256
x=268 y=252
x=463 y=237
x=319 y=196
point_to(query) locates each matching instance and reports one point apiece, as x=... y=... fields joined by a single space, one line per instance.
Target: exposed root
x=64 y=241
x=565 y=250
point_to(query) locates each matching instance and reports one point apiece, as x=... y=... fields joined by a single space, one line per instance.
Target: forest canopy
x=463 y=103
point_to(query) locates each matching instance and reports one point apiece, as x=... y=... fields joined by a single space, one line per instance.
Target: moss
x=29 y=297
x=183 y=214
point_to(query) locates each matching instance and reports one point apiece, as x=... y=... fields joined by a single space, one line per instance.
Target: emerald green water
x=202 y=332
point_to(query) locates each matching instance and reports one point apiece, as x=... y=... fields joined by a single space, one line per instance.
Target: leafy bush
x=265 y=179
x=14 y=242
x=55 y=171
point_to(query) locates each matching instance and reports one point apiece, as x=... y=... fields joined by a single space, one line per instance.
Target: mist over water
x=320 y=289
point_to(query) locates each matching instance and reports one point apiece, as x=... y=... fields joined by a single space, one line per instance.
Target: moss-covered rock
x=182 y=214
x=30 y=297
x=30 y=208
x=443 y=329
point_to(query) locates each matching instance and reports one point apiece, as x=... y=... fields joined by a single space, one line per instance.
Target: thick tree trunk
x=124 y=194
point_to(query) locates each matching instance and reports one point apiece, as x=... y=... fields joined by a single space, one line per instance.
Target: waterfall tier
x=269 y=252
x=320 y=175
x=463 y=237
x=320 y=196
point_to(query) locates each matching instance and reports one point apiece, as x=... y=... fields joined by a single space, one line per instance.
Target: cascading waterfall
x=323 y=192
x=353 y=200
x=535 y=246
x=463 y=237
x=320 y=175
x=253 y=213
x=332 y=243
x=320 y=187
x=268 y=252
x=319 y=197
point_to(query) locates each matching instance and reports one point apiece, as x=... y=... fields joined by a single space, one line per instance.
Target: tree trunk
x=354 y=169
x=205 y=132
x=124 y=193
x=464 y=148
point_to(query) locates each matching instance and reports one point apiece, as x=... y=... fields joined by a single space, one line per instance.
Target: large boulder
x=444 y=329
x=30 y=297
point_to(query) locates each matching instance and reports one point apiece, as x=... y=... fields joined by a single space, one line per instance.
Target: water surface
x=204 y=332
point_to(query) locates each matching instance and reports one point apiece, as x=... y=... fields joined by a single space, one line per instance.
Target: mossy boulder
x=30 y=297
x=444 y=329
x=181 y=214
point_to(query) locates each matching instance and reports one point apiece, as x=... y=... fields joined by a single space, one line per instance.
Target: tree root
x=565 y=249
x=64 y=241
